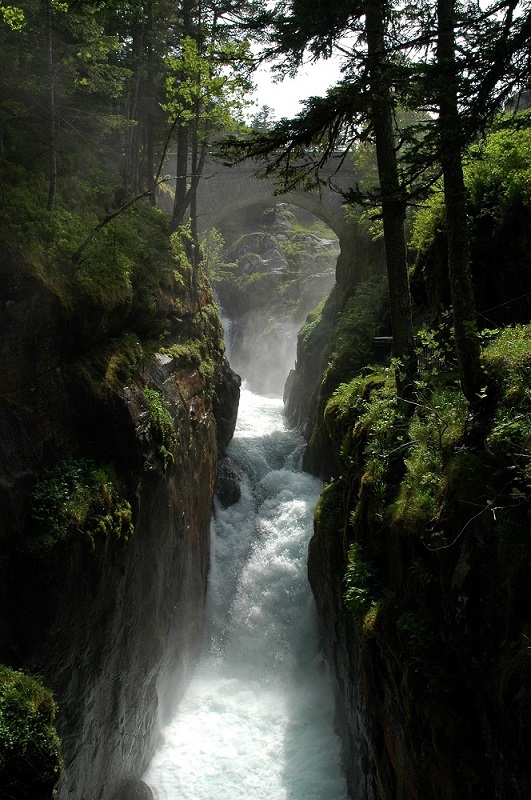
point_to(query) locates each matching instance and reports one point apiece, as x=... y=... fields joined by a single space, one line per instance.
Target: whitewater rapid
x=256 y=722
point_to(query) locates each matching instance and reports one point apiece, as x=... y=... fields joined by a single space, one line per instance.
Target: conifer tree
x=365 y=101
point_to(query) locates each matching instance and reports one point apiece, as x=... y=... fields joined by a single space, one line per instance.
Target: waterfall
x=256 y=722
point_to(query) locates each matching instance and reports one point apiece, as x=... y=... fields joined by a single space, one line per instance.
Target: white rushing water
x=256 y=722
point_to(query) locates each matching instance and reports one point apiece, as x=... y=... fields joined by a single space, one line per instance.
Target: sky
x=285 y=97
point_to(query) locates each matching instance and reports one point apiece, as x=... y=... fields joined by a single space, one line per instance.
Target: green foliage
x=362 y=590
x=328 y=509
x=126 y=264
x=416 y=506
x=498 y=174
x=368 y=426
x=30 y=757
x=435 y=349
x=435 y=431
x=294 y=249
x=161 y=427
x=77 y=498
x=212 y=249
x=207 y=78
x=498 y=180
x=507 y=360
x=351 y=340
x=397 y=453
x=367 y=405
x=429 y=219
x=312 y=325
x=263 y=119
x=12 y=16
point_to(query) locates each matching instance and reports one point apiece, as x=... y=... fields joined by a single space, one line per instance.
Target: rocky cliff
x=419 y=565
x=420 y=558
x=107 y=605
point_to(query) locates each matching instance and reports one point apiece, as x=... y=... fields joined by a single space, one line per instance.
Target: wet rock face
x=136 y=790
x=123 y=625
x=228 y=485
x=225 y=405
x=352 y=720
x=114 y=628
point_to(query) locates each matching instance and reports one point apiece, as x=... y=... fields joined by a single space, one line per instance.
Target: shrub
x=30 y=757
x=77 y=498
x=497 y=177
x=508 y=362
x=161 y=427
x=361 y=584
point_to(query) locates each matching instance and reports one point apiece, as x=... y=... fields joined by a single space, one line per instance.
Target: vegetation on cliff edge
x=77 y=498
x=30 y=758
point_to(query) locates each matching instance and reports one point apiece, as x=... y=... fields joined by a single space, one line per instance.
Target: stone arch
x=226 y=190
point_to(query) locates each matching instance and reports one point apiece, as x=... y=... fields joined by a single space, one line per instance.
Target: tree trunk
x=133 y=132
x=181 y=182
x=52 y=186
x=180 y=203
x=393 y=200
x=461 y=286
x=150 y=102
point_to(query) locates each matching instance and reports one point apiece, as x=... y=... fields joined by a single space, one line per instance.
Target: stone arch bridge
x=225 y=190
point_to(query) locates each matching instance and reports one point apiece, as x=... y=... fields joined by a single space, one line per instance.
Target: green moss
x=369 y=428
x=508 y=363
x=77 y=498
x=161 y=427
x=417 y=504
x=351 y=341
x=362 y=587
x=436 y=428
x=30 y=757
x=337 y=343
x=110 y=367
x=200 y=346
x=312 y=324
x=328 y=509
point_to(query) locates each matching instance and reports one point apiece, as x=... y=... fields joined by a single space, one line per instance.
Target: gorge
x=153 y=582
x=103 y=619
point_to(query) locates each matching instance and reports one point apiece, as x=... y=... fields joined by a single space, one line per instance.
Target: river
x=256 y=722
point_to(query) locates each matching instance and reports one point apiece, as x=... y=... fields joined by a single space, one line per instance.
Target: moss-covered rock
x=421 y=559
x=113 y=378
x=30 y=754
x=77 y=498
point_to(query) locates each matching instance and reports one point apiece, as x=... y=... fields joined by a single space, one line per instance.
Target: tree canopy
x=455 y=63
x=110 y=90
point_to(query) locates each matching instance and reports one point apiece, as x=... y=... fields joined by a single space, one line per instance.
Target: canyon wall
x=111 y=621
x=420 y=557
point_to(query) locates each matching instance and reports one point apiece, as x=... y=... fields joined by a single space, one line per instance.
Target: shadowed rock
x=136 y=790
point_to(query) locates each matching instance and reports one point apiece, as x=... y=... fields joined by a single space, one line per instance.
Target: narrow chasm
x=257 y=718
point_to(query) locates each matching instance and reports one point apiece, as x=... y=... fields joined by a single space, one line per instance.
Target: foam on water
x=256 y=721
